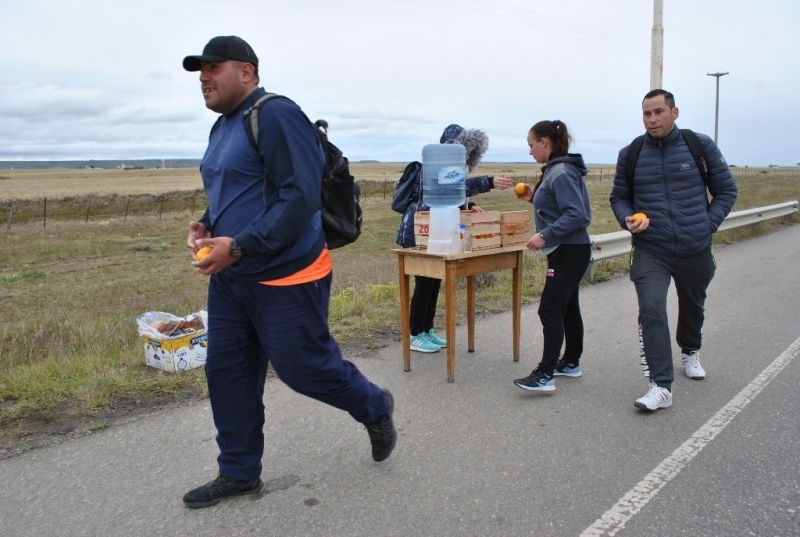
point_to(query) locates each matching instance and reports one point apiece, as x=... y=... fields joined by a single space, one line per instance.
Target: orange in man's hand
x=639 y=216
x=202 y=252
x=520 y=189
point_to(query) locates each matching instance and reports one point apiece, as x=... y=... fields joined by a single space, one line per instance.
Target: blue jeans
x=251 y=325
x=651 y=274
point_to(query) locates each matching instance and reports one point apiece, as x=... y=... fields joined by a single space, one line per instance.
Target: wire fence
x=92 y=208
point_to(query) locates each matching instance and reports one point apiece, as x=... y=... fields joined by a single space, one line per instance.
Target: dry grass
x=63 y=183
x=70 y=291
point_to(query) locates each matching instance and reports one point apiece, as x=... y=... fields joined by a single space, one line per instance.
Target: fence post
x=44 y=216
x=88 y=208
x=161 y=207
x=127 y=204
x=11 y=214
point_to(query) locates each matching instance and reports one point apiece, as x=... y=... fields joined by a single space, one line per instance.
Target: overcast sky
x=91 y=79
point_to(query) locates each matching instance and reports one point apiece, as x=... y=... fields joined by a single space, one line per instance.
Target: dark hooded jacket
x=668 y=188
x=561 y=204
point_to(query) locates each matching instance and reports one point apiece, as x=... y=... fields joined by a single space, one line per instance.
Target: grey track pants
x=651 y=274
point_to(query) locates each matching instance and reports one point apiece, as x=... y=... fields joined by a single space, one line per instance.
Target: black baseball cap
x=219 y=49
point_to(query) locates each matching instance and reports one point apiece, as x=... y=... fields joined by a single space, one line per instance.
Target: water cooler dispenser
x=444 y=176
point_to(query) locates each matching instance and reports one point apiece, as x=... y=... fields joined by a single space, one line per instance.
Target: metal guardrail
x=618 y=243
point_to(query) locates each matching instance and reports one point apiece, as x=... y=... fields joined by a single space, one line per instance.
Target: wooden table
x=450 y=267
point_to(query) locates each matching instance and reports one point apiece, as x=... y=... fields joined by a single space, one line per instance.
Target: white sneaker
x=691 y=363
x=655 y=398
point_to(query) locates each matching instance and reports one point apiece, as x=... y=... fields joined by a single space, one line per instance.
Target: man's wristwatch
x=236 y=250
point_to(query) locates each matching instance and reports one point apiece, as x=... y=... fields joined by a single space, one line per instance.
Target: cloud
x=92 y=79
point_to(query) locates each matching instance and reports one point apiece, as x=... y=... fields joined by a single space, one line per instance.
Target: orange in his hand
x=639 y=216
x=520 y=189
x=202 y=252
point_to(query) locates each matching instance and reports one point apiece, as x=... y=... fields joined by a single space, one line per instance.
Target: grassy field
x=109 y=245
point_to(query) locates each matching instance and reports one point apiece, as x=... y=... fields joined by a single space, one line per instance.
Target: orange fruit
x=202 y=252
x=639 y=216
x=520 y=189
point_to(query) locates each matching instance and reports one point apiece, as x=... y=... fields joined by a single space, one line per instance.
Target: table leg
x=450 y=315
x=516 y=303
x=471 y=313
x=405 y=323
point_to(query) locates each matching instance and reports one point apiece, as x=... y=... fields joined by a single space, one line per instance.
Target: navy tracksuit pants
x=251 y=325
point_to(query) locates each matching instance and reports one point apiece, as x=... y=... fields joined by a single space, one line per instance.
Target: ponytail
x=557 y=132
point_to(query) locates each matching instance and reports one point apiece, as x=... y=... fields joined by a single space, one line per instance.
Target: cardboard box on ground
x=174 y=343
x=489 y=229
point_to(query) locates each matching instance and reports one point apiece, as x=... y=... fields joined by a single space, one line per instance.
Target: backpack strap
x=631 y=158
x=250 y=117
x=696 y=148
x=692 y=142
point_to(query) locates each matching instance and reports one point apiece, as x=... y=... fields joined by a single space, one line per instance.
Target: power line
x=528 y=17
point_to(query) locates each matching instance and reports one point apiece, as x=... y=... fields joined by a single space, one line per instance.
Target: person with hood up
x=426 y=290
x=562 y=215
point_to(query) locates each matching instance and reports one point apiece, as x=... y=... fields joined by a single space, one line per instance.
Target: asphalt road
x=481 y=456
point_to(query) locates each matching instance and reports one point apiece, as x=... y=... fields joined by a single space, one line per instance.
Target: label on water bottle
x=451 y=175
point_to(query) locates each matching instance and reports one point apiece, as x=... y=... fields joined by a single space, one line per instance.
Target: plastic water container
x=443 y=230
x=466 y=238
x=444 y=175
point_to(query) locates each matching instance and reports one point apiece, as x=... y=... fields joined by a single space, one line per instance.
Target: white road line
x=634 y=501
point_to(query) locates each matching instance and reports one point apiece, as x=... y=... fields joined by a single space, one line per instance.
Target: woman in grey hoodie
x=562 y=215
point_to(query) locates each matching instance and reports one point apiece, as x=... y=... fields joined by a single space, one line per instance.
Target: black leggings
x=559 y=307
x=423 y=304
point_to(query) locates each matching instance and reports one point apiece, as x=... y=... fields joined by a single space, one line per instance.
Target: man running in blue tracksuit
x=270 y=273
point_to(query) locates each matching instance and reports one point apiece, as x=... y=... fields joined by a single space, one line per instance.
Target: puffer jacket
x=668 y=188
x=405 y=233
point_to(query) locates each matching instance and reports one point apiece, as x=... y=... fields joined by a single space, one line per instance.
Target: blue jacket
x=561 y=207
x=405 y=233
x=668 y=188
x=268 y=200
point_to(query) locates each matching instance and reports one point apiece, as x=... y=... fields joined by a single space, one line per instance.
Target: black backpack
x=695 y=147
x=404 y=189
x=342 y=218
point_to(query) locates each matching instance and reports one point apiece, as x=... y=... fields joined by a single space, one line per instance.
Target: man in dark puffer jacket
x=673 y=240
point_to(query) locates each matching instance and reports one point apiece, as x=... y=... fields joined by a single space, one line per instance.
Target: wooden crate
x=515 y=227
x=484 y=227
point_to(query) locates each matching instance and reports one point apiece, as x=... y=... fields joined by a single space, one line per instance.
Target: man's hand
x=638 y=225
x=219 y=258
x=197 y=231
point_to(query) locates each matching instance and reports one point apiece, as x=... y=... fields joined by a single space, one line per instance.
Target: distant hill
x=77 y=164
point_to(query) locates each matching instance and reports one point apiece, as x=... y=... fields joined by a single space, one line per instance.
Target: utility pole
x=657 y=46
x=716 y=113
